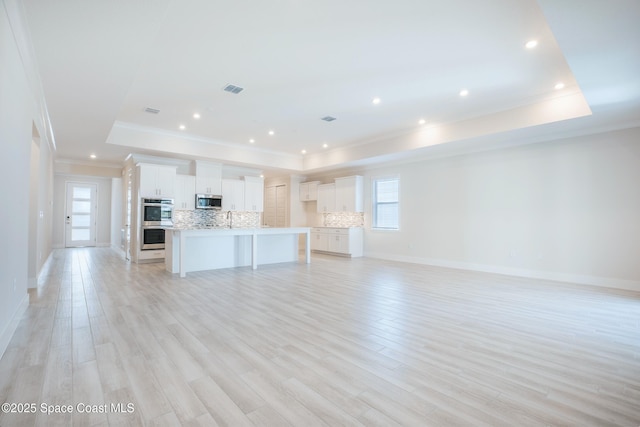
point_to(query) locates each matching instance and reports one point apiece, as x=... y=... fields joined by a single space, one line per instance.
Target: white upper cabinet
x=326 y=198
x=253 y=194
x=156 y=180
x=208 y=178
x=232 y=195
x=185 y=192
x=309 y=191
x=349 y=197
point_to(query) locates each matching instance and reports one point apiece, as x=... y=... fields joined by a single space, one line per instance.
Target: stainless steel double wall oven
x=157 y=214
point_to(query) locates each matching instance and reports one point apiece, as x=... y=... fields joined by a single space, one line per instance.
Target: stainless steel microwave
x=208 y=201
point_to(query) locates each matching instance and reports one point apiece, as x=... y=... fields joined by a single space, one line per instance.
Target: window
x=385 y=203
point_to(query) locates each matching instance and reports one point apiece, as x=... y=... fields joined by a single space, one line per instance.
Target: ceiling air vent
x=328 y=118
x=151 y=110
x=233 y=89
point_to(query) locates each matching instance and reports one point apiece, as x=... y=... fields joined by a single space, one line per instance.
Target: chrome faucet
x=229 y=219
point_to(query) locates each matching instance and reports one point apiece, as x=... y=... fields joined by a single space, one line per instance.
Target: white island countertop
x=196 y=249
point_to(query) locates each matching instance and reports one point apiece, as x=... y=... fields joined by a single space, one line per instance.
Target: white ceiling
x=103 y=62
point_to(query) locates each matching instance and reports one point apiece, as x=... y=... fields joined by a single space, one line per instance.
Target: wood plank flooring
x=338 y=342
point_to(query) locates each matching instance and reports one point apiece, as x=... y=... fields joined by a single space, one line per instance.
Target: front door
x=80 y=216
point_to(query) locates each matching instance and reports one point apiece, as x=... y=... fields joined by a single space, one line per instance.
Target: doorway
x=80 y=217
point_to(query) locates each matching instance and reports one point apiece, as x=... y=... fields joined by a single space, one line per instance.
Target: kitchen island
x=197 y=249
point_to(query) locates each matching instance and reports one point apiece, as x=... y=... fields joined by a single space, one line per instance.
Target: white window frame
x=374 y=202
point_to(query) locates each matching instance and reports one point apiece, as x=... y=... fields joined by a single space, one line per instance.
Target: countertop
x=332 y=226
x=241 y=230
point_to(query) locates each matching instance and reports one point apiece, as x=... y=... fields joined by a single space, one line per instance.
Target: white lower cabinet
x=318 y=241
x=339 y=241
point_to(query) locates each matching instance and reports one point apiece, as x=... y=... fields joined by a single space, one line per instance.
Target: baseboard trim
x=44 y=270
x=607 y=282
x=8 y=332
x=98 y=245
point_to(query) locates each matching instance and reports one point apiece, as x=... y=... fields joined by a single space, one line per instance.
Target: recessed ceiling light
x=328 y=118
x=531 y=44
x=151 y=110
x=325 y=145
x=261 y=175
x=422 y=121
x=304 y=151
x=93 y=156
x=182 y=127
x=559 y=86
x=464 y=92
x=271 y=133
x=251 y=141
x=196 y=115
x=376 y=101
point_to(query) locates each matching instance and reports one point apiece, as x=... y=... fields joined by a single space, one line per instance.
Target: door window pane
x=81 y=192
x=80 y=234
x=81 y=207
x=80 y=220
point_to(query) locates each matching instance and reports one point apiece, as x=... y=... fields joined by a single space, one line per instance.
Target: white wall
x=40 y=207
x=565 y=210
x=116 y=213
x=45 y=205
x=20 y=104
x=103 y=220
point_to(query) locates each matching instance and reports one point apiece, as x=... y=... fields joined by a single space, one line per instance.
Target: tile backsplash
x=245 y=219
x=343 y=219
x=199 y=218
x=208 y=218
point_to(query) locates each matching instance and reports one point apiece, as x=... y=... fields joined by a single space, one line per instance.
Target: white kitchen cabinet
x=232 y=195
x=338 y=241
x=253 y=194
x=208 y=178
x=349 y=194
x=185 y=193
x=156 y=180
x=309 y=191
x=319 y=240
x=326 y=198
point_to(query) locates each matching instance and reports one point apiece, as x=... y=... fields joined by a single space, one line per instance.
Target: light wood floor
x=337 y=342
